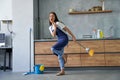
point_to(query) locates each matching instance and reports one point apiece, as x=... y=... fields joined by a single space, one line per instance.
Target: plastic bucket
x=37 y=69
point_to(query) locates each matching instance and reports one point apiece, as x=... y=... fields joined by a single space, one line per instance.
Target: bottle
x=101 y=34
x=103 y=5
x=94 y=34
x=98 y=33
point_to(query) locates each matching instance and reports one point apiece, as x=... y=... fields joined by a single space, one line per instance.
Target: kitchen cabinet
x=107 y=53
x=72 y=48
x=112 y=59
x=97 y=45
x=47 y=60
x=43 y=47
x=112 y=52
x=73 y=60
x=112 y=45
x=96 y=60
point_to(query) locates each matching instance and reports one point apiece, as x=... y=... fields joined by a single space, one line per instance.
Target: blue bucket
x=37 y=69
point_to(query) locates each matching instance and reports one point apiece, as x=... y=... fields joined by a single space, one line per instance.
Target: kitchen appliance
x=2 y=39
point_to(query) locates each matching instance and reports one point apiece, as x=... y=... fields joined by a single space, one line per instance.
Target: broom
x=88 y=50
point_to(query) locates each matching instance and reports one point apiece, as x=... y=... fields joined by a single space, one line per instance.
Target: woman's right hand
x=54 y=27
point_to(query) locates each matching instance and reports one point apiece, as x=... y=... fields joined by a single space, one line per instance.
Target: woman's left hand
x=74 y=39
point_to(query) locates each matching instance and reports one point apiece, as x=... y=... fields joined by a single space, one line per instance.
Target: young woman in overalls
x=58 y=29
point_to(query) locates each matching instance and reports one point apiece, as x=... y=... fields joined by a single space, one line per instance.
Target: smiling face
x=51 y=17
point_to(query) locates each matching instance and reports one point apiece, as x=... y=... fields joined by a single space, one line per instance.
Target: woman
x=59 y=29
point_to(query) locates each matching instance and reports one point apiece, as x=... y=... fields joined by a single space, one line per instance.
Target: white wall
x=21 y=14
x=5 y=9
x=22 y=22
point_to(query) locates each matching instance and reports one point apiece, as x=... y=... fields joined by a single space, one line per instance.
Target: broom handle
x=30 y=49
x=80 y=45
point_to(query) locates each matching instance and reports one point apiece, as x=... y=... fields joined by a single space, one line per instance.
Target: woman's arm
x=67 y=30
x=53 y=33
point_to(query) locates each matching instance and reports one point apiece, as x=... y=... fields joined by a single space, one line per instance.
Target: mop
x=37 y=67
x=26 y=73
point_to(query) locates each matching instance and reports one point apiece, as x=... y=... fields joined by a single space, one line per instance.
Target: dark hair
x=56 y=18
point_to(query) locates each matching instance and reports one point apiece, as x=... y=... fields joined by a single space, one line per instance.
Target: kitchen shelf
x=90 y=12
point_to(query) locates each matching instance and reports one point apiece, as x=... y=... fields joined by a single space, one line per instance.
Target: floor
x=70 y=75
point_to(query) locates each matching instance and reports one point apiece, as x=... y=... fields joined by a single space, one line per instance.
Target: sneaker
x=60 y=73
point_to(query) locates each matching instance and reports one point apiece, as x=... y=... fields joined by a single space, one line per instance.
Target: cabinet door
x=43 y=47
x=96 y=60
x=96 y=45
x=72 y=48
x=112 y=59
x=112 y=45
x=73 y=60
x=47 y=60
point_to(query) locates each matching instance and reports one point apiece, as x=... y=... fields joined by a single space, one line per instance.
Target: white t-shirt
x=60 y=26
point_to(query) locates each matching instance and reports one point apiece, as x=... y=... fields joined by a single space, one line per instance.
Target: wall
x=22 y=22
x=5 y=9
x=81 y=24
x=21 y=14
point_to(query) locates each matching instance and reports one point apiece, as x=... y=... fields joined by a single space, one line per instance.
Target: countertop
x=82 y=39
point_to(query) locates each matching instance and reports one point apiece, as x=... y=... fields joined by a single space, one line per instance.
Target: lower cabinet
x=112 y=59
x=97 y=45
x=47 y=60
x=78 y=60
x=73 y=60
x=112 y=46
x=95 y=60
x=107 y=53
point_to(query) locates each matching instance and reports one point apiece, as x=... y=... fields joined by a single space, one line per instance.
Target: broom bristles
x=91 y=52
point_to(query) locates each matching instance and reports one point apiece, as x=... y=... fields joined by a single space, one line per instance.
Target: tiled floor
x=70 y=75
